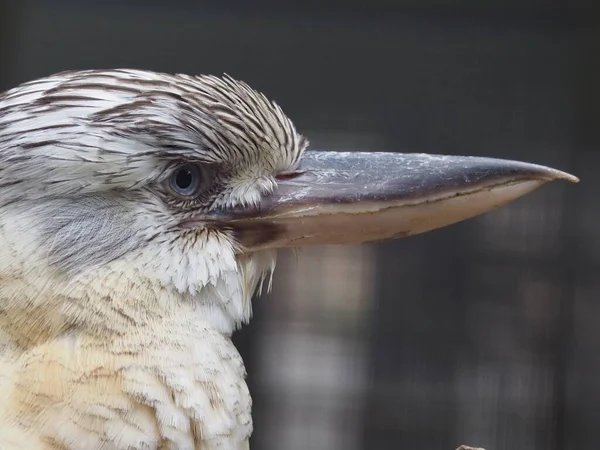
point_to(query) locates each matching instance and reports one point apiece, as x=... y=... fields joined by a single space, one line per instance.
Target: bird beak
x=349 y=198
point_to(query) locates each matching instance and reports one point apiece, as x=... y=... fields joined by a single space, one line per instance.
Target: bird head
x=127 y=195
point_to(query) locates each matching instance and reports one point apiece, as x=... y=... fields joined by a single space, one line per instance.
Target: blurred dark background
x=485 y=333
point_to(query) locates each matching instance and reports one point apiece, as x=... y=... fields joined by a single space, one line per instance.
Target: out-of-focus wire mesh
x=484 y=333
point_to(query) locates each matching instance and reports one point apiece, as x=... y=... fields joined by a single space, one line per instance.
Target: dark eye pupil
x=184 y=178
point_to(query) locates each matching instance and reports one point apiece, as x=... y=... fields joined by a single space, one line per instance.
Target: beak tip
x=569 y=177
x=554 y=174
x=529 y=172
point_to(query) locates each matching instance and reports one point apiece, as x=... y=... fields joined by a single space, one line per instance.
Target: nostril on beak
x=288 y=175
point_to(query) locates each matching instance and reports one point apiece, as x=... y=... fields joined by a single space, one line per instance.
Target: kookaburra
x=140 y=212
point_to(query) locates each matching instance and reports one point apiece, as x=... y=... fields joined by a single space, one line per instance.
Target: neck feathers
x=209 y=283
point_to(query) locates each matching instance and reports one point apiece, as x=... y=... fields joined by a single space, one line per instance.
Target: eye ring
x=186 y=180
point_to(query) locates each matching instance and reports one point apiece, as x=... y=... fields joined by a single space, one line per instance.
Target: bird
x=141 y=212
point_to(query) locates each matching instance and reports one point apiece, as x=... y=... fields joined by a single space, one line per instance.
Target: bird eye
x=186 y=180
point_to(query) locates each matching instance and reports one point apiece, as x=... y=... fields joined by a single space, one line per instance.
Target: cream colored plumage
x=139 y=213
